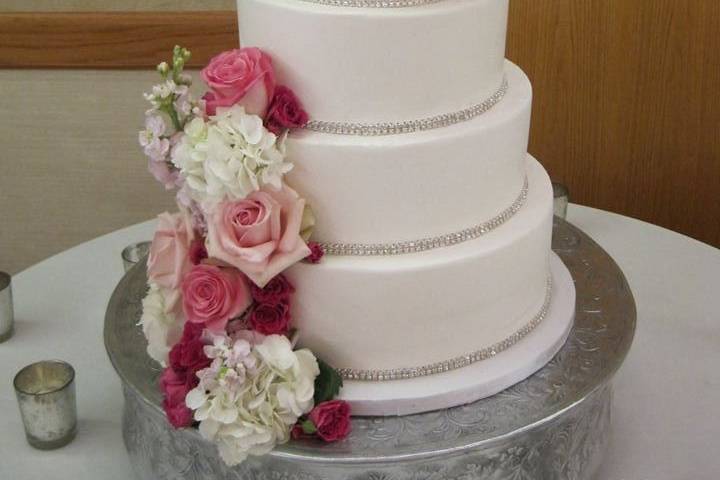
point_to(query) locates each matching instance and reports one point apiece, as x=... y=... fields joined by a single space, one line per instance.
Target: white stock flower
x=160 y=92
x=231 y=155
x=161 y=328
x=164 y=90
x=251 y=396
x=151 y=139
x=169 y=93
x=183 y=101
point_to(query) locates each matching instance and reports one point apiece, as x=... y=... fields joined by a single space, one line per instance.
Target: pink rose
x=244 y=77
x=212 y=296
x=198 y=252
x=168 y=261
x=187 y=357
x=178 y=415
x=175 y=388
x=193 y=357
x=297 y=432
x=331 y=419
x=191 y=331
x=260 y=234
x=316 y=252
x=270 y=319
x=279 y=289
x=285 y=112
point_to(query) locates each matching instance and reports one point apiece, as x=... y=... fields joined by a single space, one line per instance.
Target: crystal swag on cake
x=217 y=313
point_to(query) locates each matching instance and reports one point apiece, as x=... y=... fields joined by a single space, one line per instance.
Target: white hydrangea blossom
x=230 y=155
x=251 y=396
x=189 y=155
x=162 y=328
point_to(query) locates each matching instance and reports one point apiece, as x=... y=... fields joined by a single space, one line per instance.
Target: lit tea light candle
x=46 y=396
x=561 y=198
x=6 y=307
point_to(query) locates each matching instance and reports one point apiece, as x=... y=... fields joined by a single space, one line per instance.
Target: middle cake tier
x=409 y=311
x=399 y=188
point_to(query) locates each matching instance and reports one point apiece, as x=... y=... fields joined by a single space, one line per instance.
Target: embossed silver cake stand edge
x=554 y=425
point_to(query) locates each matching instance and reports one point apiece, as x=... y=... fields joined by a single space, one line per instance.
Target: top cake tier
x=375 y=65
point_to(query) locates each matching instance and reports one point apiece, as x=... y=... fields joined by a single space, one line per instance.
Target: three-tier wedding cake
x=361 y=228
x=436 y=220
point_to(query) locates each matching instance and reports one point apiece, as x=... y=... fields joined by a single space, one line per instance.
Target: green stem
x=170 y=110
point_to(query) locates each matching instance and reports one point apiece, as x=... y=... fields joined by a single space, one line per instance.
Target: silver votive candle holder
x=46 y=397
x=133 y=253
x=7 y=315
x=561 y=198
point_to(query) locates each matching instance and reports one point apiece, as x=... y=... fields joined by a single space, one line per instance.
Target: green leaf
x=327 y=384
x=308 y=427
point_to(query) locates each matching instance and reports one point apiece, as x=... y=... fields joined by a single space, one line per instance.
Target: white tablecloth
x=666 y=421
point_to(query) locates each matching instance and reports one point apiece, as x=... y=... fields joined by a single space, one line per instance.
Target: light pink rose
x=240 y=77
x=213 y=295
x=169 y=258
x=260 y=234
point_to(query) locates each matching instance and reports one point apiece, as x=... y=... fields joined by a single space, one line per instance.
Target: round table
x=666 y=416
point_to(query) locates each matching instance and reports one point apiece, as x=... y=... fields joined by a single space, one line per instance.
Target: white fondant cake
x=442 y=221
x=478 y=380
x=403 y=187
x=411 y=310
x=381 y=65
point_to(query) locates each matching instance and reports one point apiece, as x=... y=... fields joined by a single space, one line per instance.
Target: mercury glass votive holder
x=46 y=397
x=561 y=198
x=133 y=253
x=7 y=314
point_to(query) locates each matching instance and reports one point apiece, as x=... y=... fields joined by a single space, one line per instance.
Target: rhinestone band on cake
x=454 y=363
x=410 y=126
x=374 y=3
x=430 y=243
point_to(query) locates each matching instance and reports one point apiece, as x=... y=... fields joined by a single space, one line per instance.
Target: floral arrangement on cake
x=217 y=314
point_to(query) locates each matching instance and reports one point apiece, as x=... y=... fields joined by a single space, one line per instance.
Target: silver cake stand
x=554 y=425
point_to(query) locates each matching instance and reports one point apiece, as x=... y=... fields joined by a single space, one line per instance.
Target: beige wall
x=70 y=166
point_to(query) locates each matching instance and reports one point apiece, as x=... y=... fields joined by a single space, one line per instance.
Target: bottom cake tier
x=501 y=365
x=399 y=317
